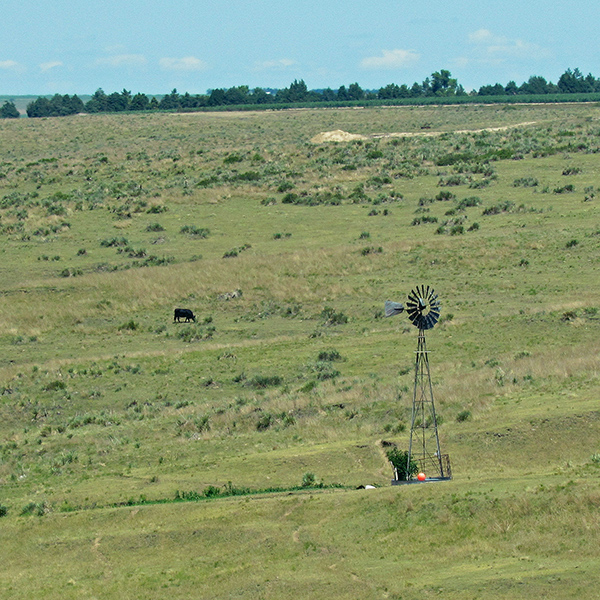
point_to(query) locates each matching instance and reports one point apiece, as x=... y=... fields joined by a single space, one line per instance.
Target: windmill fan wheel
x=423 y=307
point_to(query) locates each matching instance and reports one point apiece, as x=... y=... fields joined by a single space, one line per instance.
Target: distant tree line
x=570 y=82
x=440 y=84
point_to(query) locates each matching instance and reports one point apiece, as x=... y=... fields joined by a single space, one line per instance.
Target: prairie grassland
x=111 y=414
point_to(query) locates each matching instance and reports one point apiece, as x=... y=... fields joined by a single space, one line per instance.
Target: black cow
x=183 y=313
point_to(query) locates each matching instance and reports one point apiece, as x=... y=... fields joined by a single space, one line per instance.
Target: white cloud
x=123 y=60
x=48 y=66
x=282 y=63
x=484 y=36
x=11 y=65
x=188 y=63
x=498 y=47
x=391 y=59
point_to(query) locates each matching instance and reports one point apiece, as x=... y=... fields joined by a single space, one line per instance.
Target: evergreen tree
x=492 y=90
x=535 y=85
x=573 y=82
x=216 y=97
x=9 y=111
x=139 y=102
x=170 y=101
x=355 y=92
x=57 y=106
x=98 y=102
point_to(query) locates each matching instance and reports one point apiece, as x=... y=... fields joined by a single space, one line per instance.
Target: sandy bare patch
x=337 y=136
x=343 y=136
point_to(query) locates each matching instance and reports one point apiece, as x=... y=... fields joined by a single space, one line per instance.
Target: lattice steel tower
x=423 y=308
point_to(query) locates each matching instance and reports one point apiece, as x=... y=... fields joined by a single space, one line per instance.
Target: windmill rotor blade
x=423 y=306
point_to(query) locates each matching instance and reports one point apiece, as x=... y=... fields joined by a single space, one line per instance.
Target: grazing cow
x=183 y=313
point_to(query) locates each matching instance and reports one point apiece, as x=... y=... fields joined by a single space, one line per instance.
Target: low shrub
x=332 y=317
x=463 y=415
x=329 y=355
x=155 y=227
x=309 y=480
x=264 y=422
x=55 y=385
x=115 y=242
x=193 y=231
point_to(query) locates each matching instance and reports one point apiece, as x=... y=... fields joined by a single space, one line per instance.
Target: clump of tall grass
x=36 y=508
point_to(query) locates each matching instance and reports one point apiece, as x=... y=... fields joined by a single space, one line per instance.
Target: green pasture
x=124 y=435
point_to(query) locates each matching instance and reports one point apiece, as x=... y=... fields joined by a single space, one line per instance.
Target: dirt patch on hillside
x=337 y=136
x=343 y=136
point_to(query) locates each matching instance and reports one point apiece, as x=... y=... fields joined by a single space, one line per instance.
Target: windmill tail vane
x=393 y=308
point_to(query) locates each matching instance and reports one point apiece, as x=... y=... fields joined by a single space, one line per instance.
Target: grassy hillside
x=141 y=457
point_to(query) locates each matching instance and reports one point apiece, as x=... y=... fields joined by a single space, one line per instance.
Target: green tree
x=139 y=102
x=297 y=92
x=9 y=111
x=442 y=83
x=237 y=95
x=404 y=468
x=492 y=90
x=355 y=92
x=394 y=91
x=217 y=97
x=342 y=93
x=259 y=96
x=329 y=95
x=170 y=101
x=535 y=85
x=573 y=82
x=98 y=102
x=57 y=106
x=416 y=90
x=118 y=102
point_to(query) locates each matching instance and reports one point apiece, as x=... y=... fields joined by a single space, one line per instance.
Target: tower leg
x=424 y=445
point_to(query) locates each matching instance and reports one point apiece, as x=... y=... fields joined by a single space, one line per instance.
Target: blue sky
x=151 y=46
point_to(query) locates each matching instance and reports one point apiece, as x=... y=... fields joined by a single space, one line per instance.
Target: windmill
x=423 y=309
